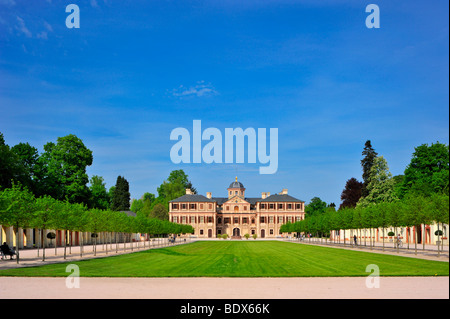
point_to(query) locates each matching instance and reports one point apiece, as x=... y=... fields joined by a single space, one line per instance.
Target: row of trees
x=60 y=172
x=419 y=196
x=408 y=212
x=426 y=174
x=158 y=207
x=21 y=209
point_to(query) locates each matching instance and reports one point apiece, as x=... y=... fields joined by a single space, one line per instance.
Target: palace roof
x=280 y=198
x=251 y=200
x=192 y=198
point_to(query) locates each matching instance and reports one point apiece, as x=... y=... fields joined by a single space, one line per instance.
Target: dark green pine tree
x=120 y=200
x=367 y=163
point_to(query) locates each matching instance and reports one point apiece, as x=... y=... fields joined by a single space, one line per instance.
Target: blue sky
x=135 y=70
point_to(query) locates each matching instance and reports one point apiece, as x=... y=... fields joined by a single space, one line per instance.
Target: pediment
x=236 y=200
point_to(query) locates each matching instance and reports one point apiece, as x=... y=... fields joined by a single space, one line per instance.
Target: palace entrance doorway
x=236 y=233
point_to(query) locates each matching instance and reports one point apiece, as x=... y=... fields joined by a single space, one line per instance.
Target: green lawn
x=242 y=259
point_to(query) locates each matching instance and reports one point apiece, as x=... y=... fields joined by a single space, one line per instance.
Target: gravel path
x=226 y=288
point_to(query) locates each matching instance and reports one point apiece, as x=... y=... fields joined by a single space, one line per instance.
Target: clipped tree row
x=408 y=212
x=21 y=209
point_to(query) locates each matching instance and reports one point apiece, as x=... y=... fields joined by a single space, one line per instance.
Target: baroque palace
x=236 y=215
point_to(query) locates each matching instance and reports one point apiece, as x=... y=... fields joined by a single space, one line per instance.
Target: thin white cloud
x=201 y=89
x=48 y=26
x=42 y=35
x=22 y=27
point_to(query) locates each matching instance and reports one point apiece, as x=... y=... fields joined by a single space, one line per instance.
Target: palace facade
x=236 y=215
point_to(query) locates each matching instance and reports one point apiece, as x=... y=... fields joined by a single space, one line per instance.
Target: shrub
x=51 y=235
x=391 y=233
x=247 y=236
x=254 y=236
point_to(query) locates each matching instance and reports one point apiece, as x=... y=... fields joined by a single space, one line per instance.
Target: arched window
x=236 y=208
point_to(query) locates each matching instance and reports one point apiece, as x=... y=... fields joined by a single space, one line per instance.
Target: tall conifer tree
x=120 y=200
x=367 y=163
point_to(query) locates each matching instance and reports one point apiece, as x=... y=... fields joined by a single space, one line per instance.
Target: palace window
x=289 y=206
x=262 y=219
x=280 y=206
x=297 y=206
x=183 y=220
x=271 y=219
x=201 y=219
x=271 y=206
x=253 y=231
x=236 y=220
x=263 y=206
x=175 y=219
x=209 y=219
x=226 y=220
x=201 y=206
x=271 y=231
x=201 y=231
x=219 y=220
x=219 y=232
x=253 y=220
x=244 y=220
x=280 y=219
x=210 y=206
x=227 y=207
x=192 y=219
x=183 y=206
x=236 y=208
x=174 y=206
x=193 y=206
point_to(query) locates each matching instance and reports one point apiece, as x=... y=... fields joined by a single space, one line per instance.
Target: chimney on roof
x=208 y=195
x=284 y=191
x=188 y=191
x=265 y=194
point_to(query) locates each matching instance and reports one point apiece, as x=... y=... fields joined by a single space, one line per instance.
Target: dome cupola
x=236 y=188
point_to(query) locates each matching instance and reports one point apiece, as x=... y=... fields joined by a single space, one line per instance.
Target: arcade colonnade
x=31 y=237
x=425 y=234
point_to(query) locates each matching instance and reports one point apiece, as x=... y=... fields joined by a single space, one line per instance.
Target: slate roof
x=192 y=198
x=280 y=198
x=236 y=184
x=251 y=200
x=220 y=200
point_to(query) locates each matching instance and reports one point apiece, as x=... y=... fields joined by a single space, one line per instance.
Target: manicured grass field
x=242 y=259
